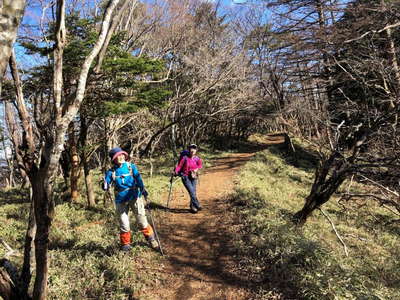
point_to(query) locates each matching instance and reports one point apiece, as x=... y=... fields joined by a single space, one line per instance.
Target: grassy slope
x=289 y=263
x=85 y=260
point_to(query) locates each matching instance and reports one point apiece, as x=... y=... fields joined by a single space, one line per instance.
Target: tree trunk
x=15 y=138
x=75 y=167
x=323 y=188
x=44 y=211
x=11 y=12
x=89 y=185
x=85 y=161
x=113 y=25
x=24 y=115
x=10 y=162
x=26 y=275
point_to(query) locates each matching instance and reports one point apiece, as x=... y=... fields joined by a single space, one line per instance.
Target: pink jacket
x=188 y=164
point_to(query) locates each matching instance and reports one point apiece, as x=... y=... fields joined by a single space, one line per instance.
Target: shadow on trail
x=245 y=146
x=202 y=253
x=156 y=206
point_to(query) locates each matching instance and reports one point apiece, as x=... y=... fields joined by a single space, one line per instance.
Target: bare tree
x=41 y=158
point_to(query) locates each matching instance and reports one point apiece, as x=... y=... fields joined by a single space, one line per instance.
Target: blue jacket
x=127 y=181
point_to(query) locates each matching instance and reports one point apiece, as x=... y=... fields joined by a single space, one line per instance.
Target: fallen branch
x=336 y=232
x=10 y=251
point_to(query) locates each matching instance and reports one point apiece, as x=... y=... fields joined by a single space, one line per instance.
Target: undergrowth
x=287 y=262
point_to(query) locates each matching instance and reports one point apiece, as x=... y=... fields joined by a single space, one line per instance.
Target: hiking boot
x=193 y=209
x=199 y=208
x=154 y=244
x=126 y=248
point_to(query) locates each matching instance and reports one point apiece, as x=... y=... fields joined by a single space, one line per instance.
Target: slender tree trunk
x=113 y=25
x=328 y=179
x=15 y=138
x=26 y=274
x=74 y=159
x=89 y=184
x=44 y=211
x=22 y=110
x=396 y=70
x=85 y=161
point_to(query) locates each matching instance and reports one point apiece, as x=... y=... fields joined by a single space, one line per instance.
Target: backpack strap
x=130 y=169
x=114 y=176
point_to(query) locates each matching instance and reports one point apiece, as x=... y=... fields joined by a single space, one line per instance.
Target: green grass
x=85 y=259
x=309 y=263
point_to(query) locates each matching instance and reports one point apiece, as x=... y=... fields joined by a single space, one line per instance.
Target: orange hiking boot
x=125 y=239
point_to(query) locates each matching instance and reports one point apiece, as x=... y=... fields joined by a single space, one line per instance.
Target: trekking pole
x=170 y=189
x=154 y=227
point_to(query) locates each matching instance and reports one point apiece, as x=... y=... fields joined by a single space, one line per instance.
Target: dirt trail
x=199 y=261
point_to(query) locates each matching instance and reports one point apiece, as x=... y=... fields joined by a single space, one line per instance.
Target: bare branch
x=336 y=232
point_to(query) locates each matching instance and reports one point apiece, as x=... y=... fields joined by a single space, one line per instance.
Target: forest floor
x=200 y=260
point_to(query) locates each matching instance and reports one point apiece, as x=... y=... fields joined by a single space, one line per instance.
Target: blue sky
x=33 y=16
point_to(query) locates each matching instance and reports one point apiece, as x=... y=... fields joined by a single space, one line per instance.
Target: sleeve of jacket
x=199 y=163
x=179 y=166
x=138 y=178
x=107 y=180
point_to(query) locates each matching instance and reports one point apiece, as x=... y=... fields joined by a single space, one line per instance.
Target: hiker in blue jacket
x=129 y=189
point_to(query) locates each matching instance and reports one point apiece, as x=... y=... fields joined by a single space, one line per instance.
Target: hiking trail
x=199 y=261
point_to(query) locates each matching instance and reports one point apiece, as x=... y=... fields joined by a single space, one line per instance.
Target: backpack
x=123 y=175
x=183 y=154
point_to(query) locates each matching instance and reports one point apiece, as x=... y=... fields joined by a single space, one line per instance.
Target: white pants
x=137 y=206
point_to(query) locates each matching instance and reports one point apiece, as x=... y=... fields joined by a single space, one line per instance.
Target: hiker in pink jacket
x=187 y=168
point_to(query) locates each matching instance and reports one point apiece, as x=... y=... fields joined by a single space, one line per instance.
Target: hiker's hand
x=145 y=194
x=104 y=186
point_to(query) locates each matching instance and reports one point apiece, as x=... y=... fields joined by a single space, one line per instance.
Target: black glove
x=145 y=193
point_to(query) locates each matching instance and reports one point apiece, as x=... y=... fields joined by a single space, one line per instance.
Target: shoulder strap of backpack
x=130 y=168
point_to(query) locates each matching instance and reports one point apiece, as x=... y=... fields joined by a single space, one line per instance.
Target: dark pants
x=190 y=185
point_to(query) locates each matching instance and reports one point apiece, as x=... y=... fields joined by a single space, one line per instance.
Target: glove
x=105 y=186
x=145 y=193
